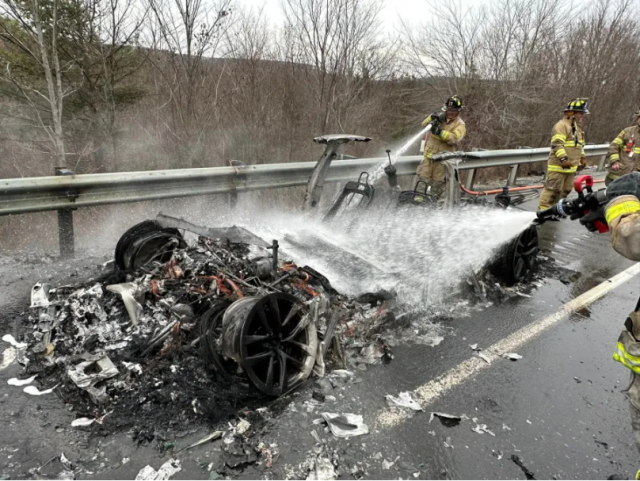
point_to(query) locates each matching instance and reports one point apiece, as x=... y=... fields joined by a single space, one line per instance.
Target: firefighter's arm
x=615 y=148
x=454 y=136
x=623 y=215
x=426 y=121
x=558 y=138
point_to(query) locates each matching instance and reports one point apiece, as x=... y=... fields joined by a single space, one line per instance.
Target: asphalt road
x=559 y=409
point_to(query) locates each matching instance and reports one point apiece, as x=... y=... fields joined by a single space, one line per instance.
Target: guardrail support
x=471 y=178
x=513 y=175
x=601 y=163
x=66 y=239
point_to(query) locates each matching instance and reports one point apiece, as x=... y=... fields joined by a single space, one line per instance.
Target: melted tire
x=518 y=260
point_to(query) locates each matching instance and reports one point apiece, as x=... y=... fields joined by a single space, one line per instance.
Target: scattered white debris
x=242 y=426
x=512 y=355
x=330 y=398
x=210 y=437
x=165 y=472
x=482 y=428
x=323 y=470
x=506 y=428
x=12 y=340
x=404 y=400
x=387 y=464
x=345 y=425
x=21 y=382
x=82 y=422
x=444 y=415
x=34 y=391
x=133 y=367
x=474 y=347
x=484 y=358
x=529 y=422
x=448 y=443
x=65 y=462
x=342 y=373
x=9 y=355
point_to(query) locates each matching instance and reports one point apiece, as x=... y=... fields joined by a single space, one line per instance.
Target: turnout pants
x=434 y=174
x=558 y=186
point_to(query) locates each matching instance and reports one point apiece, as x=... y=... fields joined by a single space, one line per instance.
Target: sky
x=393 y=9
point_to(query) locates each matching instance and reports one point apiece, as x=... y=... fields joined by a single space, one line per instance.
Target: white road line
x=439 y=386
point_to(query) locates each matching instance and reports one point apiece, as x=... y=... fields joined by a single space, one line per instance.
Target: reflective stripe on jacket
x=453 y=131
x=618 y=152
x=567 y=140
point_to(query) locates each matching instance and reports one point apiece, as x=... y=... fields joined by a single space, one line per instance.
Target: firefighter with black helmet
x=447 y=130
x=624 y=152
x=567 y=153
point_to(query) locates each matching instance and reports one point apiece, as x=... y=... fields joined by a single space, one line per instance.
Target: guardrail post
x=513 y=175
x=65 y=223
x=471 y=178
x=601 y=163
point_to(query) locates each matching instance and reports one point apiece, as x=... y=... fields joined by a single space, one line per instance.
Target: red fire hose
x=510 y=189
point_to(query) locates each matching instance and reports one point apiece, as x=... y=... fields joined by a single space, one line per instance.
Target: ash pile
x=191 y=326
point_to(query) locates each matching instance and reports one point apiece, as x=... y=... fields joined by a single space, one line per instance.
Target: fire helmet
x=578 y=105
x=453 y=103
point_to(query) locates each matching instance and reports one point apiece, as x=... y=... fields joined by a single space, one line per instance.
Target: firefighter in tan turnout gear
x=446 y=133
x=567 y=154
x=624 y=152
x=622 y=215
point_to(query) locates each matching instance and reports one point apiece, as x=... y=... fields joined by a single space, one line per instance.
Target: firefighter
x=624 y=155
x=567 y=154
x=622 y=214
x=446 y=133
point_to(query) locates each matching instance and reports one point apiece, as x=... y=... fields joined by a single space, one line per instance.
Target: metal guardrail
x=65 y=192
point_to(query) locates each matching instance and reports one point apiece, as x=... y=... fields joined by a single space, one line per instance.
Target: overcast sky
x=414 y=10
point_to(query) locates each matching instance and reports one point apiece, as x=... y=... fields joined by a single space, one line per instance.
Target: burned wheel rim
x=145 y=241
x=278 y=344
x=524 y=254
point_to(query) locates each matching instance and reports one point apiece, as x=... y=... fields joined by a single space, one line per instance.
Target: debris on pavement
x=177 y=335
x=165 y=471
x=82 y=422
x=474 y=347
x=449 y=419
x=9 y=356
x=12 y=340
x=513 y=356
x=404 y=400
x=211 y=437
x=345 y=425
x=482 y=428
x=527 y=472
x=34 y=391
x=21 y=382
x=448 y=443
x=323 y=470
x=386 y=465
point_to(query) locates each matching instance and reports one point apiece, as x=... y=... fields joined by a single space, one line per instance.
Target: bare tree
x=29 y=30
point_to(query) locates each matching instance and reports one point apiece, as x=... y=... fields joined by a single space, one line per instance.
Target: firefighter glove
x=626 y=185
x=436 y=130
x=589 y=220
x=565 y=163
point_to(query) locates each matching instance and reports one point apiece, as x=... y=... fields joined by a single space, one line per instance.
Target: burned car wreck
x=195 y=323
